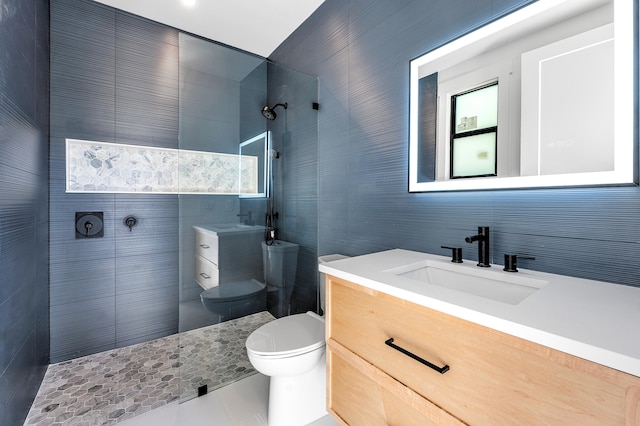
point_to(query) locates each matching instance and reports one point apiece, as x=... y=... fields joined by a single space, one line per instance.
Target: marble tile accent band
x=104 y=167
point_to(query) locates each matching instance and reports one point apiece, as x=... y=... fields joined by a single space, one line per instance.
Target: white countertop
x=229 y=228
x=594 y=320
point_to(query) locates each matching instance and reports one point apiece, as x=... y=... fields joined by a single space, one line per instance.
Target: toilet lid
x=288 y=336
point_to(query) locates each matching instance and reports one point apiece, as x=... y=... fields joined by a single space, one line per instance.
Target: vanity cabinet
x=226 y=255
x=492 y=378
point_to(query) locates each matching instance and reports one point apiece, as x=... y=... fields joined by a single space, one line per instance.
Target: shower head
x=269 y=113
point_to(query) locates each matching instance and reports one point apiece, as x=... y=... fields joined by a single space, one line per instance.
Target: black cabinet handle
x=440 y=370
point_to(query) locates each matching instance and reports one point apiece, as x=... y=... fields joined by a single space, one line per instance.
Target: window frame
x=453 y=135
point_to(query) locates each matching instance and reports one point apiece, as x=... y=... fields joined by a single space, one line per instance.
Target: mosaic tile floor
x=111 y=386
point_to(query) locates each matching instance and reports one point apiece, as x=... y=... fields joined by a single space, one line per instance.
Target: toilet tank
x=280 y=261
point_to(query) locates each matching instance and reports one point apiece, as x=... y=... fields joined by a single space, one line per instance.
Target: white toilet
x=291 y=351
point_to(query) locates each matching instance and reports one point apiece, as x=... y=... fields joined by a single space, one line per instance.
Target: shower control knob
x=89 y=225
x=130 y=222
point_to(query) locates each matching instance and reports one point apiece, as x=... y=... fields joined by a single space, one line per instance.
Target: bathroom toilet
x=235 y=299
x=291 y=351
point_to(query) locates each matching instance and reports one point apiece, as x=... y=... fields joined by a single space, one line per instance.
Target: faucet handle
x=456 y=253
x=511 y=262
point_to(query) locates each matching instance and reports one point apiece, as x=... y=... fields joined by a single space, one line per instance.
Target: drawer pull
x=204 y=246
x=205 y=276
x=440 y=370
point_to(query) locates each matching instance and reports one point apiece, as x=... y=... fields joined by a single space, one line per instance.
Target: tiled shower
x=117 y=78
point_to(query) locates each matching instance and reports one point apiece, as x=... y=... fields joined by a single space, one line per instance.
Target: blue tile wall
x=146 y=91
x=361 y=51
x=253 y=96
x=208 y=118
x=219 y=108
x=114 y=78
x=24 y=124
x=295 y=137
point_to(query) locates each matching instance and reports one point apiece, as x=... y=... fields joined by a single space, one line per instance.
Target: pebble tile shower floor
x=112 y=386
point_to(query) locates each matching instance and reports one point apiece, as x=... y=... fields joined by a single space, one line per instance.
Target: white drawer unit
x=227 y=253
x=207 y=274
x=207 y=246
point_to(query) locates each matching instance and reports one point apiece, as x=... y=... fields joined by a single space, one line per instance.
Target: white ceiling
x=257 y=26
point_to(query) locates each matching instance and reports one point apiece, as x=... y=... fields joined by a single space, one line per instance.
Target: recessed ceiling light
x=188 y=3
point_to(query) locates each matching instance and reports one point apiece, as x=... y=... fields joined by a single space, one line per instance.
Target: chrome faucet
x=484 y=248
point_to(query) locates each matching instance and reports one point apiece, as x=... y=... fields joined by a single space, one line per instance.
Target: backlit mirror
x=543 y=97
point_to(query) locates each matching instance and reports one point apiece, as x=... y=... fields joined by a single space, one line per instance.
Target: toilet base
x=298 y=400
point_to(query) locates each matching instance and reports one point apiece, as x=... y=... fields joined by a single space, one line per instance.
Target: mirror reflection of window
x=474 y=132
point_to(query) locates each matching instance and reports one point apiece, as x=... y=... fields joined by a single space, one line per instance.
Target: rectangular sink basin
x=490 y=283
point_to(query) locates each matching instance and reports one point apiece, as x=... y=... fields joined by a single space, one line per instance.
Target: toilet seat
x=229 y=292
x=288 y=336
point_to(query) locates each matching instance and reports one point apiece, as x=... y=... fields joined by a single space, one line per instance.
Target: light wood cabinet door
x=360 y=394
x=493 y=378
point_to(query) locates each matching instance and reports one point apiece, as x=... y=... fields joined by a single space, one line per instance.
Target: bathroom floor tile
x=112 y=386
x=216 y=355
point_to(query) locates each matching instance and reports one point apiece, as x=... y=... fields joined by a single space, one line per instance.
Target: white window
x=474 y=132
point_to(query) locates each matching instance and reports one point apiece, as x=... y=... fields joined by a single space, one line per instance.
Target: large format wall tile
x=147 y=82
x=114 y=78
x=295 y=137
x=82 y=70
x=24 y=122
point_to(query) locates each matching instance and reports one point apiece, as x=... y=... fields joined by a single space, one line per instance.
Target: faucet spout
x=484 y=246
x=248 y=221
